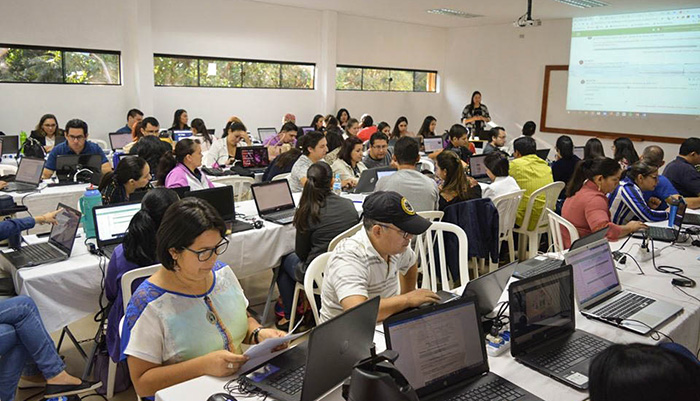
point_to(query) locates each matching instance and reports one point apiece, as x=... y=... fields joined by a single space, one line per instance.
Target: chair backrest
x=283 y=176
x=345 y=234
x=507 y=206
x=6 y=169
x=314 y=274
x=549 y=194
x=432 y=215
x=556 y=223
x=427 y=258
x=129 y=277
x=241 y=185
x=102 y=144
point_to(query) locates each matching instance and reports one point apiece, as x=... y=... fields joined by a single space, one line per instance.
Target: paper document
x=260 y=353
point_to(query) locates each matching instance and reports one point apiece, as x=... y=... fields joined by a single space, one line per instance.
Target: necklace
x=211 y=317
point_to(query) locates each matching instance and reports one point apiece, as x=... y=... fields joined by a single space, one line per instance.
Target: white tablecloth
x=46 y=199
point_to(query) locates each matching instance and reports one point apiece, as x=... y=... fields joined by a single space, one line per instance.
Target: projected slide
x=642 y=63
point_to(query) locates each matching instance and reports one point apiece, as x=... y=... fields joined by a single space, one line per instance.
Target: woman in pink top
x=586 y=205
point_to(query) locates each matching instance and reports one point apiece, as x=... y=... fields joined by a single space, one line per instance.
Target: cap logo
x=407 y=207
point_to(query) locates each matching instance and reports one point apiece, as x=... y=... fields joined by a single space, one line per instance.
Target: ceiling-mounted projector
x=526 y=19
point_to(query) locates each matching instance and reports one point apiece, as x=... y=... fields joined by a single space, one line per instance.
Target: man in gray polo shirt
x=367 y=264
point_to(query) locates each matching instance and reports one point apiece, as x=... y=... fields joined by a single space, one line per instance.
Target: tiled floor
x=255 y=288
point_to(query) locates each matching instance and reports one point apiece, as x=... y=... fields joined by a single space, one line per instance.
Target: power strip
x=495 y=346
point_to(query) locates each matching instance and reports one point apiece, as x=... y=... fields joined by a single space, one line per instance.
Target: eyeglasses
x=403 y=233
x=75 y=138
x=206 y=254
x=49 y=125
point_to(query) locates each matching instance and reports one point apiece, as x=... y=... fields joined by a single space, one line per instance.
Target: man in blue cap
x=368 y=264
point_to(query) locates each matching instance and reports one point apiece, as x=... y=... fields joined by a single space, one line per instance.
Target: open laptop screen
x=541 y=308
x=220 y=198
x=63 y=234
x=273 y=196
x=255 y=156
x=442 y=344
x=384 y=173
x=29 y=170
x=112 y=222
x=306 y=130
x=594 y=271
x=477 y=166
x=265 y=133
x=10 y=144
x=579 y=151
x=432 y=144
x=119 y=139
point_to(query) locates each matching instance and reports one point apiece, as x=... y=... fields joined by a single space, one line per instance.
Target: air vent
x=583 y=3
x=454 y=13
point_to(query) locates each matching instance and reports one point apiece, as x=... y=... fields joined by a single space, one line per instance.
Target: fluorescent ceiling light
x=454 y=13
x=584 y=3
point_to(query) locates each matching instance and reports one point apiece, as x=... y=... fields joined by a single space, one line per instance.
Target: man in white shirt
x=367 y=264
x=498 y=170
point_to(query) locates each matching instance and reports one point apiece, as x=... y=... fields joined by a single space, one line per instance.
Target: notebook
x=118 y=140
x=111 y=224
x=222 y=199
x=477 y=168
x=274 y=201
x=28 y=175
x=265 y=133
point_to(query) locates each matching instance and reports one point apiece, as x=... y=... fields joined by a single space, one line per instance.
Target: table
x=45 y=200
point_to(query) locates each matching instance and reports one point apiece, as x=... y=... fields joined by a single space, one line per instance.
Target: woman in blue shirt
x=627 y=202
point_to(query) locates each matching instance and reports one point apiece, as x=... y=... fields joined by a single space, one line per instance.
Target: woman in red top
x=586 y=205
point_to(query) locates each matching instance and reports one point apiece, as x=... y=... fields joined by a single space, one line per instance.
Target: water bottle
x=337 y=186
x=672 y=212
x=88 y=201
x=22 y=138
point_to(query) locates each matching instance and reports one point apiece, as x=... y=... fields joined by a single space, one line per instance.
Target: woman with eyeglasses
x=627 y=202
x=47 y=132
x=189 y=318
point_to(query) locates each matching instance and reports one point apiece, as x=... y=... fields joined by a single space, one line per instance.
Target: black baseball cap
x=392 y=208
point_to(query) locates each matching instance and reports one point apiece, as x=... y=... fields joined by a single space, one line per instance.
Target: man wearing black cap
x=367 y=264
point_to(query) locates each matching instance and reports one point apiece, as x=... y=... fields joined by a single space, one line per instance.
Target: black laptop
x=543 y=328
x=368 y=179
x=253 y=158
x=221 y=198
x=58 y=248
x=28 y=175
x=477 y=168
x=274 y=201
x=79 y=168
x=312 y=369
x=540 y=264
x=442 y=354
x=112 y=223
x=667 y=234
x=542 y=153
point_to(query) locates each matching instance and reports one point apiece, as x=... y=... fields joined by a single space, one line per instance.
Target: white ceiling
x=493 y=11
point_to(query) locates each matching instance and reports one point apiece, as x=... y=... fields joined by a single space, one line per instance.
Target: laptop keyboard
x=289 y=382
x=546 y=265
x=570 y=353
x=693 y=219
x=40 y=252
x=282 y=217
x=625 y=307
x=662 y=233
x=498 y=389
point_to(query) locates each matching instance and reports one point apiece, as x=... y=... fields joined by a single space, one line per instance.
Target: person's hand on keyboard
x=3 y=184
x=634 y=226
x=421 y=296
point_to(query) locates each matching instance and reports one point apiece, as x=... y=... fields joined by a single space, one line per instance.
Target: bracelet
x=254 y=335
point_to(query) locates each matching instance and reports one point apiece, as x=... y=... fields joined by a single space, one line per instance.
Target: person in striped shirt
x=627 y=201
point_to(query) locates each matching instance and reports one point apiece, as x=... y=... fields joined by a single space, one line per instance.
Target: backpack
x=32 y=148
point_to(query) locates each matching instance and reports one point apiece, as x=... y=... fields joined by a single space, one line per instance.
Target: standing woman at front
x=48 y=133
x=475 y=115
x=180 y=168
x=180 y=121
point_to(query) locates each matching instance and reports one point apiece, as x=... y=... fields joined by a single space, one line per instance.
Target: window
x=384 y=79
x=209 y=72
x=32 y=64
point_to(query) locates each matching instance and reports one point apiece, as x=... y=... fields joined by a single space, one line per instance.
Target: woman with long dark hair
x=320 y=217
x=47 y=132
x=586 y=204
x=627 y=201
x=594 y=148
x=223 y=151
x=137 y=250
x=565 y=163
x=180 y=121
x=456 y=186
x=624 y=152
x=343 y=117
x=180 y=168
x=281 y=164
x=349 y=163
x=317 y=123
x=313 y=148
x=132 y=173
x=475 y=115
x=200 y=132
x=400 y=130
x=427 y=129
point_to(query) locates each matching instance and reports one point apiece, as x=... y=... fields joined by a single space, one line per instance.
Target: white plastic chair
x=284 y=176
x=345 y=234
x=127 y=281
x=427 y=258
x=433 y=216
x=241 y=186
x=102 y=144
x=507 y=206
x=556 y=223
x=528 y=249
x=314 y=274
x=6 y=169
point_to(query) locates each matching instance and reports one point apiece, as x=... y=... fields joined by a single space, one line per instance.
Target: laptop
x=28 y=175
x=333 y=349
x=442 y=354
x=79 y=168
x=600 y=295
x=306 y=130
x=368 y=179
x=58 y=248
x=181 y=134
x=255 y=158
x=542 y=153
x=543 y=329
x=274 y=201
x=666 y=234
x=692 y=219
x=222 y=199
x=118 y=140
x=432 y=144
x=10 y=144
x=579 y=151
x=488 y=288
x=477 y=168
x=265 y=133
x=540 y=264
x=111 y=224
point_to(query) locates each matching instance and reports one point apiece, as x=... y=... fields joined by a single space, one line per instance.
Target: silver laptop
x=477 y=168
x=600 y=295
x=274 y=201
x=28 y=175
x=368 y=178
x=432 y=144
x=118 y=140
x=579 y=151
x=265 y=133
x=111 y=224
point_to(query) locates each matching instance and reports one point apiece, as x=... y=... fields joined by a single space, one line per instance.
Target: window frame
x=63 y=50
x=367 y=67
x=200 y=59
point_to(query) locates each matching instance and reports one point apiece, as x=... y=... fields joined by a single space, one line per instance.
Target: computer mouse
x=258 y=224
x=221 y=397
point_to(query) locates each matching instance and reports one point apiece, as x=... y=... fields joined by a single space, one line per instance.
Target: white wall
x=509 y=72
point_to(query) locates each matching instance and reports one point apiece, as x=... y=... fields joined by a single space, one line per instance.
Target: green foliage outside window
x=382 y=79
